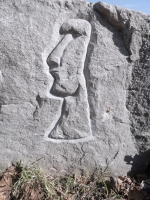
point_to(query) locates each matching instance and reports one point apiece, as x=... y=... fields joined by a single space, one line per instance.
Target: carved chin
x=64 y=89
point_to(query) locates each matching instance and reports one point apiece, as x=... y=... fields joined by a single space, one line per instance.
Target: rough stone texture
x=74 y=85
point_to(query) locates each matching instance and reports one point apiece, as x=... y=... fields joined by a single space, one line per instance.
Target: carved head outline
x=66 y=61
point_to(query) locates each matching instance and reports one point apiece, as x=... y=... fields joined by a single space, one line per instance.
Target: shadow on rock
x=140 y=163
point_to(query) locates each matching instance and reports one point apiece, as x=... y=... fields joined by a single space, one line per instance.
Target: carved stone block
x=74 y=85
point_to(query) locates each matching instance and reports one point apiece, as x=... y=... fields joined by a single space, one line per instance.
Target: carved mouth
x=54 y=71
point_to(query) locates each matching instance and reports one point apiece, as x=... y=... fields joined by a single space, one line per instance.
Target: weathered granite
x=74 y=86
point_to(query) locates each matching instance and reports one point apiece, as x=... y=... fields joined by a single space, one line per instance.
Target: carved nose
x=54 y=58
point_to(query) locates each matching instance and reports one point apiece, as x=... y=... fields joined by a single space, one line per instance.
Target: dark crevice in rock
x=36 y=114
x=38 y=99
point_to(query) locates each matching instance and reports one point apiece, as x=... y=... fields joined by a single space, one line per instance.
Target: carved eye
x=76 y=35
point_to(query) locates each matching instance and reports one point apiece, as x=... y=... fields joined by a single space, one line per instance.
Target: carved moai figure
x=66 y=65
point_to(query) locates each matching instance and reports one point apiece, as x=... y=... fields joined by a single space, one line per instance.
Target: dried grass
x=29 y=183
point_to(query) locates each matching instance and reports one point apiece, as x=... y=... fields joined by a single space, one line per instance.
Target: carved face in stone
x=66 y=61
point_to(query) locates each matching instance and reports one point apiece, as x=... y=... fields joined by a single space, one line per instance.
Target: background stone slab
x=116 y=71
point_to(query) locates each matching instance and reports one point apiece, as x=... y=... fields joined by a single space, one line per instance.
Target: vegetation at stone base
x=20 y=182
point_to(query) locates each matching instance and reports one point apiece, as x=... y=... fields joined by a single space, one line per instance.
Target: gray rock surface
x=74 y=85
